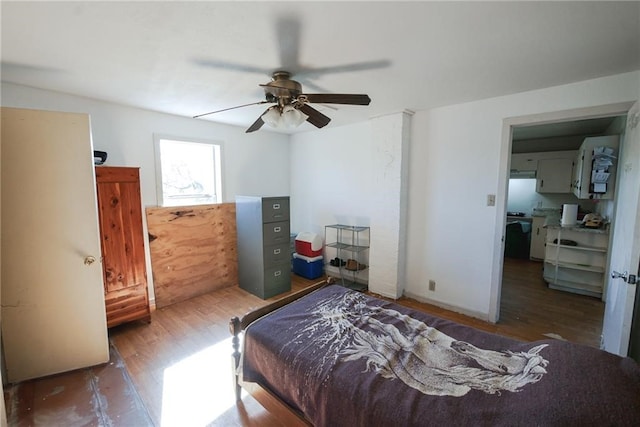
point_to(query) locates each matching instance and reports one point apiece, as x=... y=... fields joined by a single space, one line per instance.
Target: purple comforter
x=346 y=359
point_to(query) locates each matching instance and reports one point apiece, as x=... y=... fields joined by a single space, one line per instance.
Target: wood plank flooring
x=180 y=363
x=98 y=396
x=530 y=311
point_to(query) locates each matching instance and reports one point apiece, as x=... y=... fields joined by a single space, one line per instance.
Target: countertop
x=542 y=212
x=579 y=228
x=513 y=218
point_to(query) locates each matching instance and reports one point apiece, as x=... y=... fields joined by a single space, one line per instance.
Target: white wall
x=524 y=198
x=332 y=173
x=390 y=147
x=253 y=164
x=458 y=158
x=356 y=175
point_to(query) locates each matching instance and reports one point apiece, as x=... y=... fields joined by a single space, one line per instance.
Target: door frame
x=617 y=109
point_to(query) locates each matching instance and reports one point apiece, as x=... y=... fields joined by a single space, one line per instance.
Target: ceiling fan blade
x=336 y=98
x=230 y=108
x=345 y=68
x=288 y=34
x=315 y=117
x=257 y=124
x=232 y=66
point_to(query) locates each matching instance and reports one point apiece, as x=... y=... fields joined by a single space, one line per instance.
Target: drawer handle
x=277 y=229
x=277 y=273
x=276 y=251
x=276 y=206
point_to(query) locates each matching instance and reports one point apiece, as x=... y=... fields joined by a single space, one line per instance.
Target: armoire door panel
x=124 y=264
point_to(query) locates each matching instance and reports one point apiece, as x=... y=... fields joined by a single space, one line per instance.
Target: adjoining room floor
x=531 y=310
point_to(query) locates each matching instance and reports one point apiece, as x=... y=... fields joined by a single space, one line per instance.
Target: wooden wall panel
x=193 y=250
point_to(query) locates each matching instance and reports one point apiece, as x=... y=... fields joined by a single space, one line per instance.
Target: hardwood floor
x=180 y=363
x=529 y=309
x=102 y=395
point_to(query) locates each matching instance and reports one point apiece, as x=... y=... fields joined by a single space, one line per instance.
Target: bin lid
x=313 y=238
x=307 y=258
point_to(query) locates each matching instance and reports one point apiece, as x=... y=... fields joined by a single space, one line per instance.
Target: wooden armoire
x=122 y=240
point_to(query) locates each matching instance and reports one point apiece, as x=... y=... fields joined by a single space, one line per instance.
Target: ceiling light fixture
x=286 y=117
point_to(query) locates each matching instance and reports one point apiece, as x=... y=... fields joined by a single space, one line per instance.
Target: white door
x=53 y=313
x=625 y=248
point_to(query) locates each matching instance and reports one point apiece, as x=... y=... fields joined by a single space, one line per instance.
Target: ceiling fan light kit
x=272 y=117
x=286 y=117
x=292 y=118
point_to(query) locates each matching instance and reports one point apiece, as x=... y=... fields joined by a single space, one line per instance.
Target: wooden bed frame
x=508 y=365
x=266 y=398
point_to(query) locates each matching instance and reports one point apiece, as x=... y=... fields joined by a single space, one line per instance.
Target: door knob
x=88 y=260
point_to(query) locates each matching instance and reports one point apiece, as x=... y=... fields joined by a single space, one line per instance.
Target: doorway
x=526 y=300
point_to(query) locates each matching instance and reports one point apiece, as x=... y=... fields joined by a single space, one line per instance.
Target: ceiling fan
x=291 y=106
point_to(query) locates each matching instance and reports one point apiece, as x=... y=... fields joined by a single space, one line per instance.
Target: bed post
x=235 y=329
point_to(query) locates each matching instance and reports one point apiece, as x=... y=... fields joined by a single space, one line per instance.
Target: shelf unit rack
x=348 y=242
x=578 y=268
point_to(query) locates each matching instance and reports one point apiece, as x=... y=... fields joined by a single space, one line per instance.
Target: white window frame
x=218 y=154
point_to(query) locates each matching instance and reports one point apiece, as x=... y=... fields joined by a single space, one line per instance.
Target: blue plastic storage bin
x=311 y=268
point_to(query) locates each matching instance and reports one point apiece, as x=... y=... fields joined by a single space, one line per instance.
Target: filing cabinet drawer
x=277 y=280
x=278 y=254
x=275 y=233
x=275 y=209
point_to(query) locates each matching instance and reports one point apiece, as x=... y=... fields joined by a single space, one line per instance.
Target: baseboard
x=450 y=307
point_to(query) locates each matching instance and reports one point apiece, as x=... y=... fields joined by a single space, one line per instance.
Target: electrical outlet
x=491 y=199
x=601 y=342
x=432 y=285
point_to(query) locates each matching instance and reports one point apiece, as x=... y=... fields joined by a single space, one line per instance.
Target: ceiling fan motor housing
x=283 y=87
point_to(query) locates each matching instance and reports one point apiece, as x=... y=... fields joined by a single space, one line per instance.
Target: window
x=188 y=171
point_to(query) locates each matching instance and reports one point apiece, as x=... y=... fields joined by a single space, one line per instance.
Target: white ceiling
x=188 y=58
x=558 y=136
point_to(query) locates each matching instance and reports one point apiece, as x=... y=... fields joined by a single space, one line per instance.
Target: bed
x=334 y=357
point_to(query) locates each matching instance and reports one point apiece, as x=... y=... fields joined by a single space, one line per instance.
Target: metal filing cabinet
x=264 y=259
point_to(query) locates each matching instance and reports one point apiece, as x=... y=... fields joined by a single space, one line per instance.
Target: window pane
x=188 y=173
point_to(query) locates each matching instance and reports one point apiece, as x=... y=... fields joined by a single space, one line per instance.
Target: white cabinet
x=538 y=237
x=584 y=174
x=575 y=259
x=554 y=175
x=521 y=162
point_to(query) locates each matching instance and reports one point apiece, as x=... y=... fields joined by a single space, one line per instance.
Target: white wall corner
x=390 y=147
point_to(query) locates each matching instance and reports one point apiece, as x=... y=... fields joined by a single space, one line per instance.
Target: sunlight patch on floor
x=198 y=389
